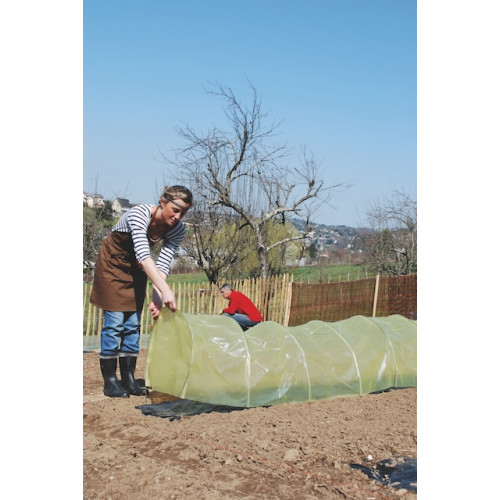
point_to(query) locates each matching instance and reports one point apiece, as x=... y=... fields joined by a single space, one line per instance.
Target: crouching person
x=240 y=308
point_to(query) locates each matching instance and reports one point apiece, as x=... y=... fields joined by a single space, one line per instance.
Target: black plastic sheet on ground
x=174 y=410
x=400 y=472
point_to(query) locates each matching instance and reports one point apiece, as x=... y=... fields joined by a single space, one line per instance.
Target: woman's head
x=175 y=202
x=177 y=192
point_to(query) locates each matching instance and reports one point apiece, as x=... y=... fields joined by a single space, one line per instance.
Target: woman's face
x=173 y=211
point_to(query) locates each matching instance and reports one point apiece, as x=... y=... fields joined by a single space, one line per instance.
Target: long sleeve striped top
x=136 y=221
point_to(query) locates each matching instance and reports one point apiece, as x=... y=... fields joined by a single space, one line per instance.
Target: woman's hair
x=180 y=192
x=225 y=286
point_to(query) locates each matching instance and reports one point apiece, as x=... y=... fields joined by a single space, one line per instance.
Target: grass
x=196 y=277
x=311 y=274
x=323 y=274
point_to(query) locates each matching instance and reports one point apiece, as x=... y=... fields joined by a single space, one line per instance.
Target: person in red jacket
x=241 y=308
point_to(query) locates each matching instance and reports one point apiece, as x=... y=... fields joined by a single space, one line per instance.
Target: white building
x=93 y=200
x=120 y=205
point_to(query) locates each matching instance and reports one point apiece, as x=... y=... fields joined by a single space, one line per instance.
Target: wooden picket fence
x=281 y=300
x=272 y=298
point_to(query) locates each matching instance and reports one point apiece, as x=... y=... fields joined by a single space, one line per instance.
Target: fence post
x=84 y=297
x=283 y=291
x=89 y=319
x=288 y=302
x=375 y=298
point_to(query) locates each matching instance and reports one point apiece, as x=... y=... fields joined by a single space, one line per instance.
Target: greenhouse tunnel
x=210 y=359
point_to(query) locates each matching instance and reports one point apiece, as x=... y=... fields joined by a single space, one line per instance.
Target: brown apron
x=119 y=283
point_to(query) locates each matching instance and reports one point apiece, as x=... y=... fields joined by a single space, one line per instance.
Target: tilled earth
x=288 y=451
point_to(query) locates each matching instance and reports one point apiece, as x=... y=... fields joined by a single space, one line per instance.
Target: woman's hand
x=156 y=304
x=168 y=299
x=155 y=311
x=158 y=279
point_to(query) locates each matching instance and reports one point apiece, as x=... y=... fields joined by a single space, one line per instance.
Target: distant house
x=93 y=200
x=120 y=205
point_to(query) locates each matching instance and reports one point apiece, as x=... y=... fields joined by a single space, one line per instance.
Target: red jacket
x=240 y=303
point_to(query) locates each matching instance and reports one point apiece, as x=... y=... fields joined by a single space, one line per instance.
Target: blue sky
x=340 y=76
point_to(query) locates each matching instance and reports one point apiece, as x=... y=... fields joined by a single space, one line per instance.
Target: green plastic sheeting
x=209 y=358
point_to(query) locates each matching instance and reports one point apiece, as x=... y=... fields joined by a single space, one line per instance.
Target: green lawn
x=188 y=278
x=324 y=274
x=311 y=274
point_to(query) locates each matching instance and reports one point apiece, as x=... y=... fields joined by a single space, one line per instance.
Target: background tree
x=392 y=241
x=279 y=256
x=214 y=240
x=97 y=223
x=312 y=251
x=243 y=171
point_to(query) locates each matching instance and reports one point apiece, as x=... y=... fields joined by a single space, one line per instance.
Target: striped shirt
x=136 y=221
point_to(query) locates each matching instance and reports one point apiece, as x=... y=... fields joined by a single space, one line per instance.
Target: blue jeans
x=242 y=319
x=120 y=334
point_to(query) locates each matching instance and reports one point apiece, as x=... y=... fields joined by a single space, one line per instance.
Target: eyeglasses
x=182 y=209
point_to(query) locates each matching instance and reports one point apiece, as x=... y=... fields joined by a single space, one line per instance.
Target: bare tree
x=243 y=171
x=214 y=240
x=392 y=241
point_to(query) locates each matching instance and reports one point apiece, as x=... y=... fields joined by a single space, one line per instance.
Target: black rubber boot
x=112 y=387
x=127 y=370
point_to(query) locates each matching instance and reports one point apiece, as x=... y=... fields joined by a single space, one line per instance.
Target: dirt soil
x=287 y=451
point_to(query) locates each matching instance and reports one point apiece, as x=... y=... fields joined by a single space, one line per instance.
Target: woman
x=122 y=268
